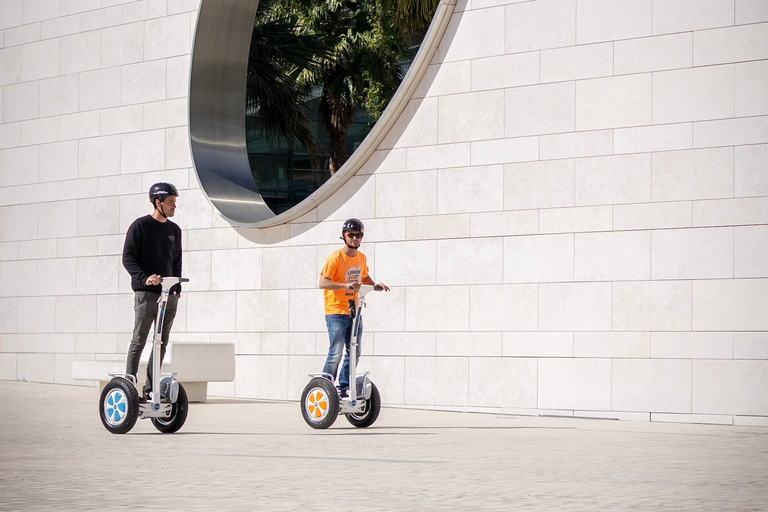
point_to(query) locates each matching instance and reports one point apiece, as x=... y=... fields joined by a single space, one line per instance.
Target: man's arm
x=130 y=249
x=368 y=280
x=177 y=258
x=325 y=283
x=177 y=264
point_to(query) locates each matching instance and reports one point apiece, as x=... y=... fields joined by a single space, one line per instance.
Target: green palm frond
x=349 y=53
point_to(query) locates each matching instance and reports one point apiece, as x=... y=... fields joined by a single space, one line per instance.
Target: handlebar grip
x=169 y=281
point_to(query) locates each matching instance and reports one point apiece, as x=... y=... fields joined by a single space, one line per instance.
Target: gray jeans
x=145 y=309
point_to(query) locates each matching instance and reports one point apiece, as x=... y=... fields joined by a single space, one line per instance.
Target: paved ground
x=250 y=455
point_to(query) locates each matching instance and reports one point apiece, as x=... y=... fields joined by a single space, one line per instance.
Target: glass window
x=320 y=74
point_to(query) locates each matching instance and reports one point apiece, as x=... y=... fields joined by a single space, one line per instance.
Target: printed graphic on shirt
x=353 y=276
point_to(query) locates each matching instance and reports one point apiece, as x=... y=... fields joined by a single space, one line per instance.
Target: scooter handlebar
x=169 y=282
x=367 y=288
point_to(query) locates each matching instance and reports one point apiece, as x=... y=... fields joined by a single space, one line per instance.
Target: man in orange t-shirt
x=343 y=273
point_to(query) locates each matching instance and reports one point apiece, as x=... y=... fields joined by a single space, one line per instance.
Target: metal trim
x=218 y=71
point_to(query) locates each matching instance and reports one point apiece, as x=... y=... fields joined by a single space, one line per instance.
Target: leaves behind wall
x=318 y=63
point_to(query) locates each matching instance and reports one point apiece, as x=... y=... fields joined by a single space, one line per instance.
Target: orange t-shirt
x=341 y=268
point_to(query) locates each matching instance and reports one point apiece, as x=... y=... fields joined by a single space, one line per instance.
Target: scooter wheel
x=370 y=413
x=176 y=417
x=320 y=403
x=119 y=405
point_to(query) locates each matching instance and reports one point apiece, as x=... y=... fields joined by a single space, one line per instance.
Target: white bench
x=196 y=364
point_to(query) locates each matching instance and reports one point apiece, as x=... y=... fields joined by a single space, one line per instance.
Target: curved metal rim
x=170 y=415
x=228 y=153
x=363 y=413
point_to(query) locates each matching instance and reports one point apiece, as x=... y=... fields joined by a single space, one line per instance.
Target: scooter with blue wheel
x=320 y=401
x=120 y=405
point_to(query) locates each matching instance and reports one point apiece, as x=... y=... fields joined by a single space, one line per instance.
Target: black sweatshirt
x=152 y=247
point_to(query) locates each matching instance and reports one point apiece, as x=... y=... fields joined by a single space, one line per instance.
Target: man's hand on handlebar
x=379 y=287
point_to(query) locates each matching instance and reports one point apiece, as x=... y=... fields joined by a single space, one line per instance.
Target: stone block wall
x=572 y=210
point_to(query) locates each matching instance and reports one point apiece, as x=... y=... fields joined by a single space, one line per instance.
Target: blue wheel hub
x=115 y=407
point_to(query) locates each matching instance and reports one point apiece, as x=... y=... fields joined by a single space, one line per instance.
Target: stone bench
x=196 y=364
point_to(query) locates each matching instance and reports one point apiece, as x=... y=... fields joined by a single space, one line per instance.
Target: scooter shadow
x=352 y=431
x=349 y=431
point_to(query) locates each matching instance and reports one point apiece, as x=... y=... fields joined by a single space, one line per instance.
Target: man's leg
x=338 y=325
x=170 y=314
x=344 y=375
x=145 y=310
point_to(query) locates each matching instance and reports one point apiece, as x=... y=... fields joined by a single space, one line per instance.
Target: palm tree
x=278 y=55
x=413 y=16
x=347 y=53
x=361 y=69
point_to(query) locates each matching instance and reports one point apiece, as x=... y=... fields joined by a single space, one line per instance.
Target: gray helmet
x=352 y=225
x=161 y=191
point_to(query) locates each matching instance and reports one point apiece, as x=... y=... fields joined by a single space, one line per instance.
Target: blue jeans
x=340 y=334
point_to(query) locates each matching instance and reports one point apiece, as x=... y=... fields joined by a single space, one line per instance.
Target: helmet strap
x=160 y=209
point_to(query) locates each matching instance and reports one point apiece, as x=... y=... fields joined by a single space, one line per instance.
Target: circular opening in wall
x=289 y=97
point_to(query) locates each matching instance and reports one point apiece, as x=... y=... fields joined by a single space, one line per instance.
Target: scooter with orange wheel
x=320 y=401
x=120 y=406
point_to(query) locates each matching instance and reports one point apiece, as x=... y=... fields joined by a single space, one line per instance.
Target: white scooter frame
x=120 y=407
x=362 y=405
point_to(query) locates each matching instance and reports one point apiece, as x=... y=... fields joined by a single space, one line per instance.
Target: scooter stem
x=157 y=341
x=355 y=339
x=353 y=342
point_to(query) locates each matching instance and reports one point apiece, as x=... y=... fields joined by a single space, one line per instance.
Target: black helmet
x=161 y=191
x=352 y=225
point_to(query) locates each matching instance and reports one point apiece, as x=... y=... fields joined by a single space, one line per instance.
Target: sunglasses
x=355 y=235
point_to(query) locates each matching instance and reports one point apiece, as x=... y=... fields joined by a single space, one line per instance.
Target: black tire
x=320 y=403
x=371 y=412
x=119 y=405
x=178 y=415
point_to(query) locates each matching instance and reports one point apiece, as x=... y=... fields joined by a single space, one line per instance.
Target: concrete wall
x=572 y=212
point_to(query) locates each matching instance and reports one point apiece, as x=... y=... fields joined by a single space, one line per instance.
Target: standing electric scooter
x=120 y=406
x=320 y=401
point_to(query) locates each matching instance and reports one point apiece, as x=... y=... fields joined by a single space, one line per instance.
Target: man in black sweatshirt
x=152 y=250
